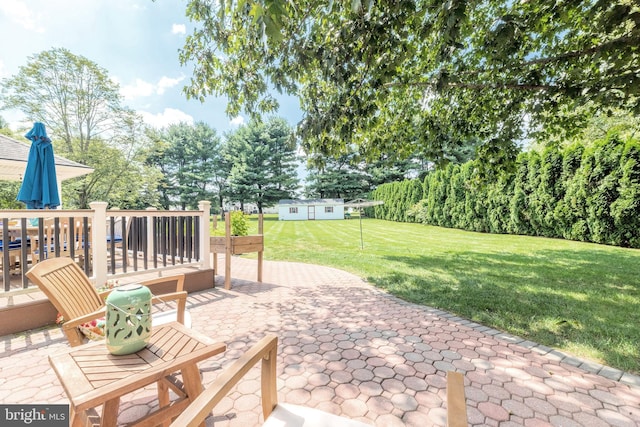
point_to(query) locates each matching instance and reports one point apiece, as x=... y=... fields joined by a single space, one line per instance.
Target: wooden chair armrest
x=201 y=407
x=74 y=323
x=180 y=297
x=105 y=294
x=178 y=278
x=456 y=405
x=171 y=296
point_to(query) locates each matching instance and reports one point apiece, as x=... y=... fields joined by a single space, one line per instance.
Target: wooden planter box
x=239 y=244
x=235 y=245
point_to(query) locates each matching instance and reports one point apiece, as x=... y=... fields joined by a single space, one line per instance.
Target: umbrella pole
x=361 y=241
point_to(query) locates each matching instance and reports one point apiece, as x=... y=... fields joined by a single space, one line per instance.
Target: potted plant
x=235 y=241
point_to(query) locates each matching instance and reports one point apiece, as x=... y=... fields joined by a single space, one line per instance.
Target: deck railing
x=106 y=243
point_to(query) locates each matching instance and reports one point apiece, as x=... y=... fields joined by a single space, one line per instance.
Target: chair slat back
x=67 y=287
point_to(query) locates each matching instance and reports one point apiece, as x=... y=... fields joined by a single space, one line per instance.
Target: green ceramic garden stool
x=128 y=327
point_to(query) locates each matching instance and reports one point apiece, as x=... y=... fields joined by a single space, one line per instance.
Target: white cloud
x=19 y=12
x=178 y=29
x=140 y=88
x=168 y=117
x=143 y=88
x=237 y=121
x=167 y=82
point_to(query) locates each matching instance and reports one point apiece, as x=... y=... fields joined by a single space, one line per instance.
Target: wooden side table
x=91 y=376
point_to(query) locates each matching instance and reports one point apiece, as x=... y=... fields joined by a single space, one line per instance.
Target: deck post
x=99 y=241
x=260 y=232
x=151 y=253
x=205 y=247
x=227 y=250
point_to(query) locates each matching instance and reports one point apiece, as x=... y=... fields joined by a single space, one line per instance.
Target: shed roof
x=311 y=202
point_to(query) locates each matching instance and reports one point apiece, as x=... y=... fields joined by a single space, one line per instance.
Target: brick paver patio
x=351 y=349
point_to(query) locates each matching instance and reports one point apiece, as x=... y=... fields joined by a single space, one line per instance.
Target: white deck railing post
x=99 y=241
x=205 y=247
x=151 y=255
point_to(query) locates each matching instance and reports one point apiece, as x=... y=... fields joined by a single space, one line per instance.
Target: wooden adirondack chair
x=75 y=297
x=284 y=414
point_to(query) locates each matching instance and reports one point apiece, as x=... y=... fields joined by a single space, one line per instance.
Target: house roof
x=311 y=202
x=13 y=162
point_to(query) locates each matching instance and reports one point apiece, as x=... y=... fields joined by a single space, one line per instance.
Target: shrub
x=239 y=223
x=418 y=212
x=582 y=193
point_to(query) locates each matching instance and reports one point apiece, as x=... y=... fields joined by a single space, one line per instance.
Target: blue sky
x=136 y=41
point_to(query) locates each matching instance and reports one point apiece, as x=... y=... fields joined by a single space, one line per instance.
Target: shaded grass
x=578 y=297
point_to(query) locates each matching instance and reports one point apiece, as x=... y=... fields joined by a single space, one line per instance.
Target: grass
x=581 y=298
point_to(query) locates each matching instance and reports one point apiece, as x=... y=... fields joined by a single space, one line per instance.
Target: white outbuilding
x=300 y=210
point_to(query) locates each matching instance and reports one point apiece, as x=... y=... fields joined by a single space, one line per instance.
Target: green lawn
x=581 y=298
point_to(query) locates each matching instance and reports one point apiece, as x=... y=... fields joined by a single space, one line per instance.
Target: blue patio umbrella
x=39 y=189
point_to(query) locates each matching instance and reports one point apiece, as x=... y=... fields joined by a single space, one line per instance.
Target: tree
x=8 y=191
x=390 y=76
x=626 y=209
x=186 y=156
x=351 y=175
x=389 y=168
x=337 y=177
x=4 y=127
x=155 y=159
x=219 y=181
x=192 y=152
x=263 y=156
x=82 y=109
x=571 y=209
x=598 y=124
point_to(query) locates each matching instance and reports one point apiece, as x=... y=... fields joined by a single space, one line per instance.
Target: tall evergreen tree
x=626 y=209
x=190 y=156
x=337 y=178
x=570 y=209
x=602 y=188
x=263 y=156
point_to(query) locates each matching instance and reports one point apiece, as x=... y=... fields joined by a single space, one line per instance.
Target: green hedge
x=398 y=198
x=589 y=194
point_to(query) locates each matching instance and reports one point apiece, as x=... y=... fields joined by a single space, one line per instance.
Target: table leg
x=192 y=383
x=88 y=418
x=110 y=412
x=75 y=419
x=163 y=398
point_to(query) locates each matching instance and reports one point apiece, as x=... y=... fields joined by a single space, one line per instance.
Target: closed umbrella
x=39 y=189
